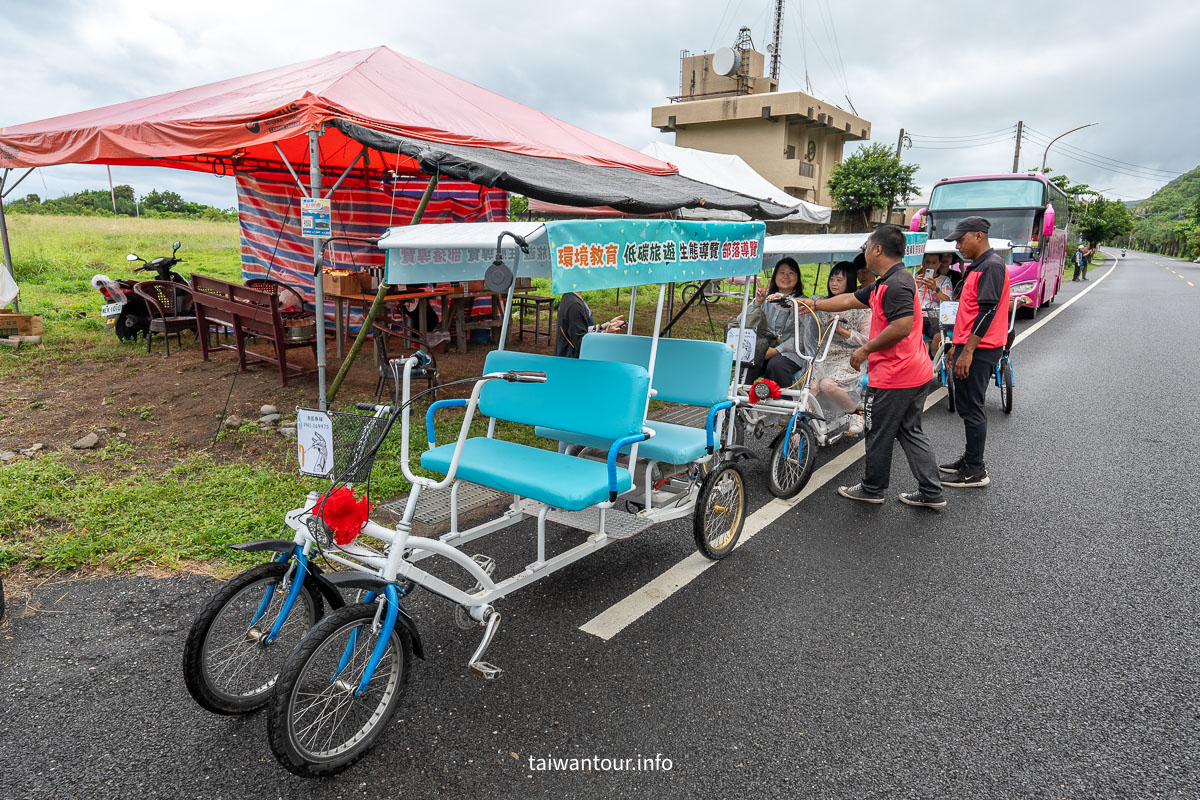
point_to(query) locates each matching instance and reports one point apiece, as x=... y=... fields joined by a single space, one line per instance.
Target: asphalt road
x=1037 y=638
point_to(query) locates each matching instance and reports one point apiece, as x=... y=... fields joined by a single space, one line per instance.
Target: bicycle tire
x=1006 y=386
x=787 y=479
x=717 y=533
x=315 y=663
x=211 y=689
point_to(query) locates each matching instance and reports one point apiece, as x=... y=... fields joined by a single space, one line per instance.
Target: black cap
x=968 y=225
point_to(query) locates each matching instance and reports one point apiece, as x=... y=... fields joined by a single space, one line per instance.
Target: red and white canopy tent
x=328 y=114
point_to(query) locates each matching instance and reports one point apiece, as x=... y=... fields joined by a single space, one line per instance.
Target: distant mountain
x=1180 y=194
x=1168 y=221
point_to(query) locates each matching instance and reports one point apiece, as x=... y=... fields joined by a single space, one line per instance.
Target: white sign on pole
x=948 y=312
x=314 y=442
x=314 y=218
x=749 y=341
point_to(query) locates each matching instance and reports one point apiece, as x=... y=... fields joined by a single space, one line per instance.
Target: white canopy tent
x=733 y=173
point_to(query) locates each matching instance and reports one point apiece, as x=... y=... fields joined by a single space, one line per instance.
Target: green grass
x=55 y=257
x=108 y=508
x=61 y=514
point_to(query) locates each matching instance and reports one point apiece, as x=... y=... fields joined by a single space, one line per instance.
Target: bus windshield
x=978 y=195
x=1013 y=224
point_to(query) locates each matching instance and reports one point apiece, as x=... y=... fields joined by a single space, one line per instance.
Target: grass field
x=145 y=501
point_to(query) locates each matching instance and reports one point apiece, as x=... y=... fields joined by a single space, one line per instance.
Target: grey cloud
x=937 y=68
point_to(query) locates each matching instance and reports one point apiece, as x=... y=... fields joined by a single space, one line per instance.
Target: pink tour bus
x=1024 y=208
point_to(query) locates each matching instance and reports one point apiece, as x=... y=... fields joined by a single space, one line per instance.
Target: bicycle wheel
x=1006 y=386
x=225 y=665
x=720 y=512
x=950 y=391
x=787 y=476
x=317 y=726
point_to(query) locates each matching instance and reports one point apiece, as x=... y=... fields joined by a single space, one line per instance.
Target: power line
x=1081 y=151
x=962 y=146
x=721 y=23
x=831 y=31
x=988 y=134
x=1103 y=162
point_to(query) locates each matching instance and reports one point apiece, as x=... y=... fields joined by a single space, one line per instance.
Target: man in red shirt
x=899 y=371
x=980 y=333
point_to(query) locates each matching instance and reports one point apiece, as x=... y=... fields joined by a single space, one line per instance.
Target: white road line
x=623 y=613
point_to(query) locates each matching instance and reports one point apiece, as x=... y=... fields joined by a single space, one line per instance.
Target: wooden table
x=456 y=308
x=341 y=322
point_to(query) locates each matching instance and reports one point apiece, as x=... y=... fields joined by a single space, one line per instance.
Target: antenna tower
x=776 y=39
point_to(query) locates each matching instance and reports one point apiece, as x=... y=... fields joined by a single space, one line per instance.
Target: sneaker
x=923 y=500
x=857 y=492
x=954 y=467
x=968 y=478
x=856 y=425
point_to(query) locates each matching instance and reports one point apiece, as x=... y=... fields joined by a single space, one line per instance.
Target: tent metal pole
x=338 y=182
x=287 y=164
x=314 y=180
x=8 y=262
x=379 y=295
x=9 y=191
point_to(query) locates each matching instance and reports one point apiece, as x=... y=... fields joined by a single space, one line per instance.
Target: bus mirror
x=1048 y=223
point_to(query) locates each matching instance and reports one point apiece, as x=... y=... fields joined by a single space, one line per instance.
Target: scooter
x=126 y=313
x=1122 y=253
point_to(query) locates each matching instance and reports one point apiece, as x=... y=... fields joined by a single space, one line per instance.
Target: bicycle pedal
x=488 y=672
x=486 y=563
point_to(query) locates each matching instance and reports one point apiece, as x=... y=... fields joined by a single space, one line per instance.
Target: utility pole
x=899 y=143
x=776 y=39
x=1017 y=152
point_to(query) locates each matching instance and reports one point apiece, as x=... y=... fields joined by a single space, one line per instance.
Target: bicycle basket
x=356 y=441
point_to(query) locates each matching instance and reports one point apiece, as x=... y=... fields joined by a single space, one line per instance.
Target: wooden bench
x=249 y=313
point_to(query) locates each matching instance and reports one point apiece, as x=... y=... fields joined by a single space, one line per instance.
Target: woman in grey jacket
x=783 y=360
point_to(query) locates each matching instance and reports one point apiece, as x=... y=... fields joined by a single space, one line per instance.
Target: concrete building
x=790 y=138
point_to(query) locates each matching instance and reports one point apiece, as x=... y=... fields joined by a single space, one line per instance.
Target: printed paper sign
x=948 y=312
x=749 y=341
x=314 y=218
x=314 y=442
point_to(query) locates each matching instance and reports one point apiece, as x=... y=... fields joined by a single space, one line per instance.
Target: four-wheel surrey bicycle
x=333 y=670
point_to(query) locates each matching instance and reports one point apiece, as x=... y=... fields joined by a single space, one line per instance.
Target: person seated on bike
x=931 y=291
x=838 y=382
x=783 y=360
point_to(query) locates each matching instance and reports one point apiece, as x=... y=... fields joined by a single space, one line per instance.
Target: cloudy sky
x=957 y=76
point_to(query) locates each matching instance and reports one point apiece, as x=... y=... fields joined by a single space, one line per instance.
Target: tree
x=872 y=177
x=165 y=200
x=1077 y=193
x=1105 y=220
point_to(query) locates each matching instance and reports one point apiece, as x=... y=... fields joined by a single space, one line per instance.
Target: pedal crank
x=477 y=664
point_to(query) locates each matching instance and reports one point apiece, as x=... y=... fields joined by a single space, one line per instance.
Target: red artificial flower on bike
x=344 y=513
x=762 y=389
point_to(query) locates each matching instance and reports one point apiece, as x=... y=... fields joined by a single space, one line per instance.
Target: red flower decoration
x=762 y=389
x=343 y=513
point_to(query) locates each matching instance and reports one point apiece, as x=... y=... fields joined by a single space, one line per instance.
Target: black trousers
x=780 y=369
x=892 y=414
x=969 y=396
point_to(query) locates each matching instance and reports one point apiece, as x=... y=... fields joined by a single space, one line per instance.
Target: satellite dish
x=726 y=61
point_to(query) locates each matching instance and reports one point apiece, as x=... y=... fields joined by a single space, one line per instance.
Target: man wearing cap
x=899 y=371
x=980 y=333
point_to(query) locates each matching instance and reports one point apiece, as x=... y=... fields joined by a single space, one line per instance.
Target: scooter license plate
x=111 y=310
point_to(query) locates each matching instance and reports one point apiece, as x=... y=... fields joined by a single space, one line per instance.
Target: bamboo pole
x=378 y=303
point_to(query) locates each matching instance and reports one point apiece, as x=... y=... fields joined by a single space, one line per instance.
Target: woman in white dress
x=838 y=383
